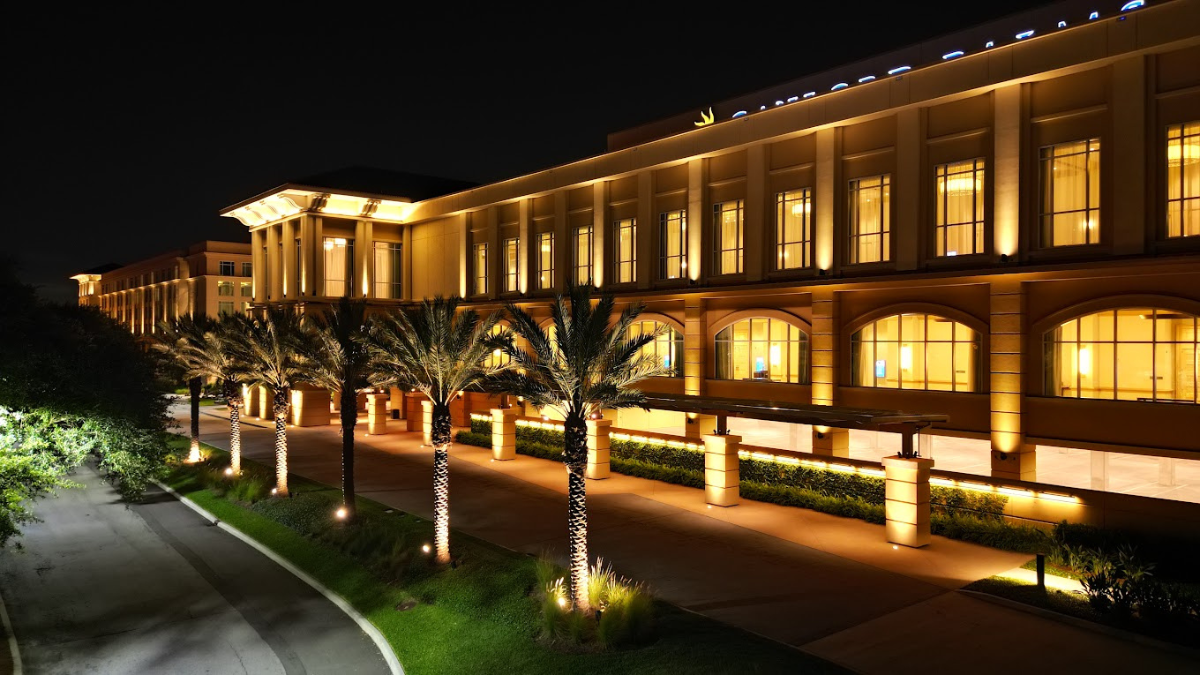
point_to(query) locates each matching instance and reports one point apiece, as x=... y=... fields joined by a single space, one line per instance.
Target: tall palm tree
x=439 y=351
x=185 y=343
x=341 y=361
x=589 y=363
x=225 y=364
x=272 y=352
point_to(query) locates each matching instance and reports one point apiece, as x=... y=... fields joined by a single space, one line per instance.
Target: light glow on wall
x=1085 y=361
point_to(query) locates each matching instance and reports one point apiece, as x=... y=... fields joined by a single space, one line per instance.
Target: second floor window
x=227 y=268
x=793 y=229
x=1183 y=180
x=727 y=237
x=625 y=249
x=481 y=264
x=339 y=266
x=223 y=288
x=1070 y=198
x=512 y=265
x=389 y=278
x=959 y=211
x=246 y=289
x=870 y=219
x=672 y=245
x=247 y=270
x=545 y=260
x=583 y=255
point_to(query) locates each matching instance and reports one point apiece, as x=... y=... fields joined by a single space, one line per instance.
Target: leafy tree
x=340 y=361
x=439 y=351
x=587 y=363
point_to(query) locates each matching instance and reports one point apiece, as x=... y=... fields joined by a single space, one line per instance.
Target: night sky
x=128 y=131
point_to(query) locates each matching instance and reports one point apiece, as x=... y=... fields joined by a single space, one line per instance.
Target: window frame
x=395 y=254
x=804 y=367
x=805 y=243
x=854 y=219
x=718 y=229
x=348 y=244
x=545 y=260
x=226 y=265
x=479 y=265
x=582 y=262
x=625 y=225
x=511 y=250
x=666 y=220
x=1044 y=192
x=857 y=354
x=1186 y=130
x=978 y=225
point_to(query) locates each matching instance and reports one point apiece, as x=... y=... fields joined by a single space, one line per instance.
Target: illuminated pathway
x=830 y=586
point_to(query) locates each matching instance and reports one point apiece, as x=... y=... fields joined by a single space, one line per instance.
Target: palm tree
x=341 y=361
x=225 y=364
x=185 y=343
x=438 y=351
x=272 y=353
x=587 y=364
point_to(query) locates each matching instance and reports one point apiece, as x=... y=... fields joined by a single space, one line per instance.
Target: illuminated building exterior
x=1002 y=225
x=209 y=278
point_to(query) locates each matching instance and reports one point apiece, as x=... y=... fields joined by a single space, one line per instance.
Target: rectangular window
x=1183 y=180
x=512 y=265
x=870 y=219
x=388 y=274
x=727 y=237
x=1070 y=203
x=224 y=288
x=625 y=247
x=246 y=289
x=226 y=268
x=300 y=274
x=672 y=245
x=583 y=255
x=339 y=266
x=247 y=270
x=959 y=212
x=481 y=275
x=545 y=260
x=224 y=308
x=793 y=229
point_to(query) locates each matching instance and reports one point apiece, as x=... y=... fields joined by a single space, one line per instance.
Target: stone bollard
x=250 y=401
x=310 y=406
x=831 y=442
x=377 y=414
x=598 y=448
x=427 y=421
x=721 y=476
x=907 y=500
x=504 y=434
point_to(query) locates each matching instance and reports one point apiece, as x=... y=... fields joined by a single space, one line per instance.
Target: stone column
x=598 y=448
x=427 y=421
x=266 y=403
x=830 y=442
x=504 y=434
x=397 y=400
x=695 y=343
x=696 y=426
x=377 y=416
x=906 y=503
x=1012 y=457
x=825 y=372
x=249 y=401
x=310 y=406
x=721 y=470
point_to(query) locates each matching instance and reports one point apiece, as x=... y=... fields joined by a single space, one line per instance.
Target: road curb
x=367 y=627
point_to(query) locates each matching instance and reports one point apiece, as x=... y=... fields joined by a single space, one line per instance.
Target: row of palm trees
x=581 y=364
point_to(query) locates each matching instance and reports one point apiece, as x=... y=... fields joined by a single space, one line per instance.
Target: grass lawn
x=481 y=617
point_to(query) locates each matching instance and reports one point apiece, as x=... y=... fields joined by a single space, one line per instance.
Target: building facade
x=1002 y=225
x=208 y=278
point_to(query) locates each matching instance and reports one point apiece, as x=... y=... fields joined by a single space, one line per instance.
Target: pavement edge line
x=13 y=648
x=385 y=649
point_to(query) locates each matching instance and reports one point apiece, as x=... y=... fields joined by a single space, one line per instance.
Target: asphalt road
x=100 y=587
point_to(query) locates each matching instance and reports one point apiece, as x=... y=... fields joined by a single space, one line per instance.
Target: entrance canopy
x=795 y=413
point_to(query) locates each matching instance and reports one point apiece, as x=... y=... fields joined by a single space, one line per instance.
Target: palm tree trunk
x=440 y=437
x=194 y=386
x=281 y=471
x=349 y=420
x=575 y=455
x=234 y=400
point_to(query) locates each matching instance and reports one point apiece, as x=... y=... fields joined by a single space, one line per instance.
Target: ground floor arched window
x=763 y=349
x=916 y=351
x=667 y=347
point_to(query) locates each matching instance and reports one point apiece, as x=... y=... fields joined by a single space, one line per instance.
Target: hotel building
x=208 y=278
x=1001 y=225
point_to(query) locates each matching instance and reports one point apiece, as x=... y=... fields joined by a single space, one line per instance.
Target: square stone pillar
x=266 y=403
x=504 y=434
x=906 y=505
x=427 y=421
x=598 y=448
x=721 y=476
x=696 y=427
x=397 y=400
x=377 y=414
x=1012 y=457
x=310 y=406
x=830 y=442
x=250 y=401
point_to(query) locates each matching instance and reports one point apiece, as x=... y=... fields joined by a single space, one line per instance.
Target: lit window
x=959 y=224
x=246 y=289
x=226 y=268
x=625 y=236
x=870 y=219
x=1125 y=354
x=497 y=357
x=545 y=258
x=1070 y=203
x=224 y=308
x=916 y=351
x=666 y=349
x=727 y=237
x=223 y=288
x=793 y=229
x=583 y=255
x=672 y=242
x=1183 y=180
x=389 y=278
x=339 y=266
x=481 y=270
x=767 y=350
x=512 y=266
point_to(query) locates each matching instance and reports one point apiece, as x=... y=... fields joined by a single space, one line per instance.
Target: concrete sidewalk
x=103 y=588
x=830 y=586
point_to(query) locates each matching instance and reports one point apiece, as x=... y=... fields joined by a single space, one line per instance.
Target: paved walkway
x=830 y=586
x=102 y=588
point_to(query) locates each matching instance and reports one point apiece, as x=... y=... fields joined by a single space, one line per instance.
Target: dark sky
x=127 y=131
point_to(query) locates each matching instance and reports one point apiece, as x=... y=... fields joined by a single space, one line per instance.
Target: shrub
x=989 y=531
x=473 y=438
x=622 y=611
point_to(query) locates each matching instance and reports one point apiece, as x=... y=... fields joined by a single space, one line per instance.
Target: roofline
x=316 y=188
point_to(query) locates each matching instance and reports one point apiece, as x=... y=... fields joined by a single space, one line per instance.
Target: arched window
x=768 y=350
x=1133 y=354
x=916 y=351
x=496 y=358
x=666 y=349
